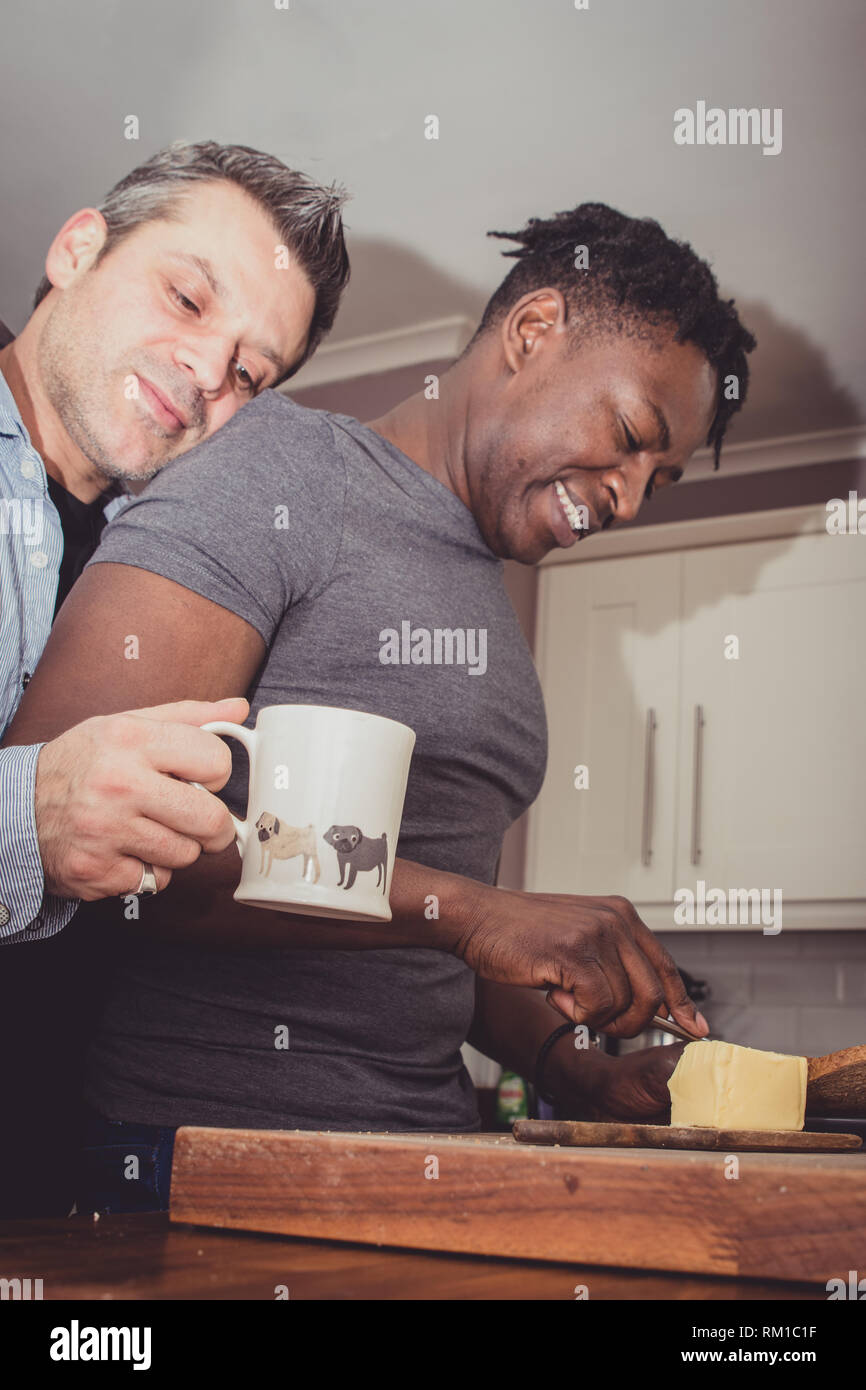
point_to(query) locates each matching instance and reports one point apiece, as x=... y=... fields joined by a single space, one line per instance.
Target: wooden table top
x=144 y=1257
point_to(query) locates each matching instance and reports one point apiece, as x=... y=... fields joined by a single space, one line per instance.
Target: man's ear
x=76 y=247
x=532 y=321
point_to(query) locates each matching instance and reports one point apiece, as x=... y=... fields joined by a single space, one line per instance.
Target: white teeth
x=571 y=513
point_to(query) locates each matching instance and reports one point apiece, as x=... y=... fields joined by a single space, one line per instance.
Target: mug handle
x=248 y=738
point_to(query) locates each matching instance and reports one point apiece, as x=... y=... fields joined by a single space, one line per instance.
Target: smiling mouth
x=168 y=412
x=577 y=517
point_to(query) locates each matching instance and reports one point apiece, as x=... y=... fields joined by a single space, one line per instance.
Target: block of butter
x=720 y=1086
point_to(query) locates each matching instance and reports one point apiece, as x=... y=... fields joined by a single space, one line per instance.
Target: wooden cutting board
x=592 y=1134
x=765 y=1215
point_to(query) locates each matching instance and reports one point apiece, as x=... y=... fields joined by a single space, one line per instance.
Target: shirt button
x=29 y=469
x=38 y=559
x=4 y=915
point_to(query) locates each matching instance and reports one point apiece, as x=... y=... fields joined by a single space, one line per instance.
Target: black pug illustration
x=357 y=851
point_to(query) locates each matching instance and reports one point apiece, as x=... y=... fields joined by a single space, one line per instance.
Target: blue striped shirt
x=31 y=548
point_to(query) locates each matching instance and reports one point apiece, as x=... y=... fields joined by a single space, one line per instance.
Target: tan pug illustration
x=278 y=841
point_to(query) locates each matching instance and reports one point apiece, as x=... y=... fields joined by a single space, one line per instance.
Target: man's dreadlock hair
x=638 y=281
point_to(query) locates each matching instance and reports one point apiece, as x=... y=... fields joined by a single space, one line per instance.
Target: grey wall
x=540 y=106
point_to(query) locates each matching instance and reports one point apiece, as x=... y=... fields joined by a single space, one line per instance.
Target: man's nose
x=628 y=488
x=206 y=362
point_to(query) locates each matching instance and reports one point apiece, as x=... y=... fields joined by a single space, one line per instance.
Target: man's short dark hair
x=306 y=216
x=638 y=281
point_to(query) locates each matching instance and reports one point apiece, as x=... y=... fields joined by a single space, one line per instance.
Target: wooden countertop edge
x=789 y=1216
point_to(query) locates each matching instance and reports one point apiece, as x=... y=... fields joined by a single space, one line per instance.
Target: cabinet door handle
x=696 y=787
x=646 y=852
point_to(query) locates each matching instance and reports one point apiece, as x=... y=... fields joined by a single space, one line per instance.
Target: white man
x=208 y=274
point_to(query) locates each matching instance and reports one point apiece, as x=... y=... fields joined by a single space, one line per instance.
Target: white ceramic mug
x=326 y=796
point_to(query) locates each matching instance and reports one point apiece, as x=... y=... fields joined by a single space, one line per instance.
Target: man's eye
x=182 y=300
x=629 y=437
x=244 y=377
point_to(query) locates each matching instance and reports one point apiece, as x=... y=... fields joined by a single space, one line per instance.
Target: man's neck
x=63 y=460
x=432 y=432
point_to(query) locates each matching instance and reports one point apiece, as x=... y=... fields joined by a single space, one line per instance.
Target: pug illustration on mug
x=357 y=852
x=278 y=841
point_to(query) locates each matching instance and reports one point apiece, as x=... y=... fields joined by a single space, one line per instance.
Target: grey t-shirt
x=365 y=541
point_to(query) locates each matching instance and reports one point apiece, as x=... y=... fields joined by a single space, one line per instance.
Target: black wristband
x=543 y=1054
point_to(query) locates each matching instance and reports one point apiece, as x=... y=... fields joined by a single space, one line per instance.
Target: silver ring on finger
x=148 y=882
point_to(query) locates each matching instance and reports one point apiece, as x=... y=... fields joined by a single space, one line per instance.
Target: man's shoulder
x=217 y=519
x=285 y=414
x=270 y=437
x=281 y=427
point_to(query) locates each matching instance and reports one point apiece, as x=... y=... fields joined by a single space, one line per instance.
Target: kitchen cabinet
x=716 y=694
x=608 y=657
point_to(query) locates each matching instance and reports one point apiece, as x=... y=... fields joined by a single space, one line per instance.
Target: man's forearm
x=430 y=908
x=510 y=1024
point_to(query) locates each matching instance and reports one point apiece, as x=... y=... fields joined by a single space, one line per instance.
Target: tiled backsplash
x=802 y=992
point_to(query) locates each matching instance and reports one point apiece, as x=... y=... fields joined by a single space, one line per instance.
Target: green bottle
x=511 y=1099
